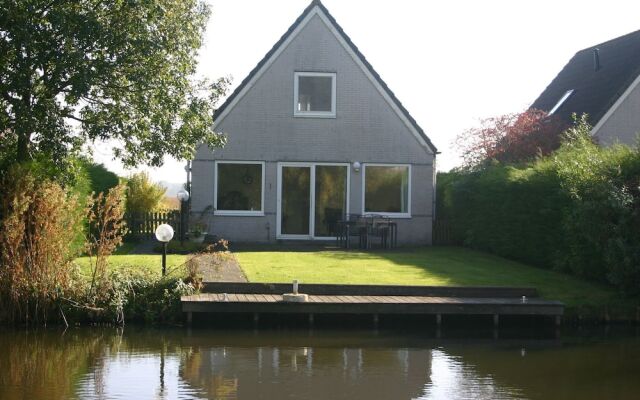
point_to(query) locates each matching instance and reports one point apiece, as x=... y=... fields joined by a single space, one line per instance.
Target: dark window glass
x=240 y=187
x=314 y=93
x=386 y=189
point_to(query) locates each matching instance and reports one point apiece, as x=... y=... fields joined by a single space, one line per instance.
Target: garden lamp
x=183 y=197
x=164 y=234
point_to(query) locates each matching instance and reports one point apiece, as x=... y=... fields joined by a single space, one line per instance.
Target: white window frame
x=314 y=114
x=312 y=193
x=237 y=213
x=387 y=214
x=560 y=102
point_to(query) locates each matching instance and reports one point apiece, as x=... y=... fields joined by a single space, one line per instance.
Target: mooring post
x=256 y=319
x=439 y=320
x=189 y=318
x=376 y=320
x=310 y=320
x=496 y=320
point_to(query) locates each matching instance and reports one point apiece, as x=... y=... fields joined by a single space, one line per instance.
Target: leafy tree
x=143 y=195
x=101 y=178
x=73 y=71
x=511 y=138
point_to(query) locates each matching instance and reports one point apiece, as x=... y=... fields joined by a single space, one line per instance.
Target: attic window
x=314 y=94
x=560 y=102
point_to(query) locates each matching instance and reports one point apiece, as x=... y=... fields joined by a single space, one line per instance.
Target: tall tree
x=511 y=138
x=73 y=71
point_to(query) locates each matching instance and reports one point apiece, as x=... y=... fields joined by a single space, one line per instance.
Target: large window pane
x=331 y=198
x=386 y=189
x=296 y=200
x=315 y=94
x=239 y=187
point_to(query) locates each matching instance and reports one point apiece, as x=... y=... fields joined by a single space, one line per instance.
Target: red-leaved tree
x=510 y=138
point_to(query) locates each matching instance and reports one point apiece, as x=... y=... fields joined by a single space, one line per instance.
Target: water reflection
x=308 y=372
x=111 y=364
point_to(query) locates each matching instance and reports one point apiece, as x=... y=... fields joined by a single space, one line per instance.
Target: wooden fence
x=145 y=224
x=443 y=233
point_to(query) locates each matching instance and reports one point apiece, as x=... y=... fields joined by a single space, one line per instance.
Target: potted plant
x=199 y=229
x=198 y=232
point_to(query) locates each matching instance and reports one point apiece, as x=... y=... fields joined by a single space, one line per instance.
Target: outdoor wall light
x=356 y=166
x=164 y=234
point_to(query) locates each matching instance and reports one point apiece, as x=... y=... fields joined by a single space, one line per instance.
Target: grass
x=147 y=263
x=437 y=266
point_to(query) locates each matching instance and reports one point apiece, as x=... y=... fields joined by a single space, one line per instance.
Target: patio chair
x=352 y=225
x=379 y=226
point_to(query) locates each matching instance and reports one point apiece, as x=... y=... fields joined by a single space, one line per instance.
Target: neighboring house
x=604 y=82
x=313 y=134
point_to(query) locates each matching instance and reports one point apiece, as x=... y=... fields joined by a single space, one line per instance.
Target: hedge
x=577 y=210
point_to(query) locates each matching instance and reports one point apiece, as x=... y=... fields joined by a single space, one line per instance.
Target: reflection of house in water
x=305 y=372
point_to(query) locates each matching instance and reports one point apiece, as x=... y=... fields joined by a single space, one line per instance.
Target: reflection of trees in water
x=304 y=372
x=45 y=364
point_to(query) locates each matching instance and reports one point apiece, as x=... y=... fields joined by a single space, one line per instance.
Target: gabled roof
x=598 y=76
x=284 y=39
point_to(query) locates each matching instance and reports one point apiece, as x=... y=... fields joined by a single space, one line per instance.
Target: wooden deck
x=371 y=300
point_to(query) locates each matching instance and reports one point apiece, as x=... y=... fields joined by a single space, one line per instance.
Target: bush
x=100 y=178
x=40 y=221
x=512 y=212
x=576 y=210
x=142 y=194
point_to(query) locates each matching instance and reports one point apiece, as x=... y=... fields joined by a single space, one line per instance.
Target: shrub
x=577 y=210
x=106 y=230
x=142 y=194
x=100 y=178
x=37 y=229
x=600 y=225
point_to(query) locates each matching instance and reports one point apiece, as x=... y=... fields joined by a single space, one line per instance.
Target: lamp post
x=183 y=197
x=164 y=234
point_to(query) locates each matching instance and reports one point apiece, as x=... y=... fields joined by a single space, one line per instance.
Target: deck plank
x=370 y=304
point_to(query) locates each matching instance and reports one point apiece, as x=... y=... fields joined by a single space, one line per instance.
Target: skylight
x=560 y=102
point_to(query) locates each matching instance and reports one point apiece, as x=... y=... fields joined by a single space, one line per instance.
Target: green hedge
x=577 y=210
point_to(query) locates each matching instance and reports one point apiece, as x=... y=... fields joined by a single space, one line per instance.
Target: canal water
x=108 y=363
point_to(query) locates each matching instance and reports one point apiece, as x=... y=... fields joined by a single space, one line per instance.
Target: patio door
x=311 y=199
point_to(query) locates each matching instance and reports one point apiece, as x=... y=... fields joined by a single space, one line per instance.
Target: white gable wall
x=621 y=124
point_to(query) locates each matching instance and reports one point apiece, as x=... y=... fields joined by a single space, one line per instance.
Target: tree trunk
x=22 y=152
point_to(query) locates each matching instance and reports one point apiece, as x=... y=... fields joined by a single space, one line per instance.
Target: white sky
x=450 y=62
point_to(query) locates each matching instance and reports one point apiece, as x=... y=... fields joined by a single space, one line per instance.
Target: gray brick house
x=313 y=133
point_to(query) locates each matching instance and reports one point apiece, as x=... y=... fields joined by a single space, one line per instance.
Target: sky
x=449 y=62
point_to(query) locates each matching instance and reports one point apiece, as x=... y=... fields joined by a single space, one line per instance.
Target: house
x=602 y=81
x=314 y=134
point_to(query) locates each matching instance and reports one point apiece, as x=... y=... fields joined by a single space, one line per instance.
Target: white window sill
x=388 y=215
x=311 y=114
x=224 y=213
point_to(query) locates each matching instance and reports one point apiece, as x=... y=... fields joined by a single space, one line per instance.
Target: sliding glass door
x=296 y=200
x=330 y=198
x=312 y=198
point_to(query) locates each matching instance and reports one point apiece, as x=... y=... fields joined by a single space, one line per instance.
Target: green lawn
x=151 y=263
x=421 y=266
